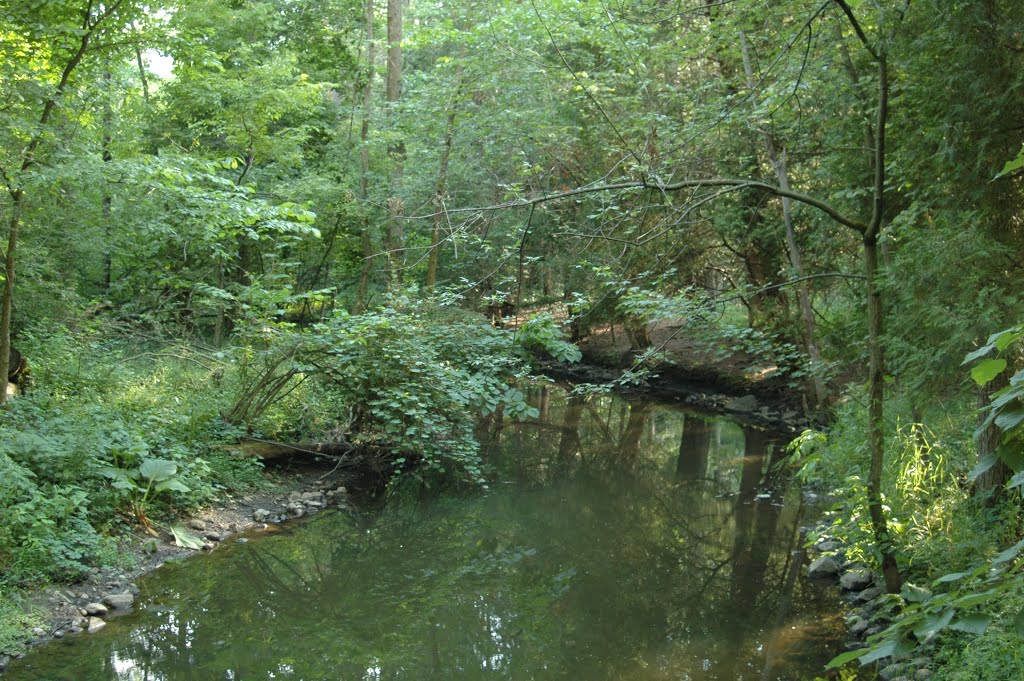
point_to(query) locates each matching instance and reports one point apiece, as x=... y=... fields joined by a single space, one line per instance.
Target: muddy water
x=618 y=541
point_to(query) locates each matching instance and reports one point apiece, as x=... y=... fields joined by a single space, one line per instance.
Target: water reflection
x=624 y=540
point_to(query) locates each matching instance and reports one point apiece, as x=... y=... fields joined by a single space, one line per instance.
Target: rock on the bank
x=97 y=609
x=868 y=595
x=744 y=404
x=95 y=624
x=261 y=515
x=122 y=601
x=823 y=567
x=856 y=579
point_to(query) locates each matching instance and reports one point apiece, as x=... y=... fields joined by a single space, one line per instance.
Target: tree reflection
x=602 y=561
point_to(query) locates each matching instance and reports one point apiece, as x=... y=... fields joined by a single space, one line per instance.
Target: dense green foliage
x=218 y=224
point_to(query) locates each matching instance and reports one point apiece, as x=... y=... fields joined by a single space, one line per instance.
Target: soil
x=61 y=607
x=693 y=375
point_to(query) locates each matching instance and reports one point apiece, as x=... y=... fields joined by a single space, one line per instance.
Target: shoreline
x=82 y=607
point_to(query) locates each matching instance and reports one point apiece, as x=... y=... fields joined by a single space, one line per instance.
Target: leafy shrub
x=413 y=380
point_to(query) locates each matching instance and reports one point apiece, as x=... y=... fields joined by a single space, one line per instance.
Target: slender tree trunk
x=106 y=201
x=441 y=188
x=395 y=245
x=778 y=162
x=876 y=441
x=13 y=226
x=90 y=25
x=364 y=163
x=142 y=74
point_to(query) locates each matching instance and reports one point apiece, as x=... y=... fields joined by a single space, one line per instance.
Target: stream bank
x=299 y=488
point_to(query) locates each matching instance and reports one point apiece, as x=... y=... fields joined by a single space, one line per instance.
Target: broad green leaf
x=172 y=485
x=952 y=577
x=914 y=593
x=972 y=624
x=158 y=469
x=1005 y=339
x=933 y=624
x=975 y=599
x=988 y=369
x=978 y=354
x=1009 y=554
x=885 y=650
x=848 y=656
x=1016 y=481
x=185 y=539
x=984 y=464
x=1015 y=164
x=1010 y=419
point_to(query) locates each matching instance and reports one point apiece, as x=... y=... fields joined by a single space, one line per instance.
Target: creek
x=620 y=540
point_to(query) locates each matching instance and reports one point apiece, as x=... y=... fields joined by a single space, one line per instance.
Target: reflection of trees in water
x=623 y=554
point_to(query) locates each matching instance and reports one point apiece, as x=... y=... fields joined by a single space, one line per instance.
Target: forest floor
x=289 y=491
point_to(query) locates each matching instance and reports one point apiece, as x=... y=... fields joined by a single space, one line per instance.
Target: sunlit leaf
x=185 y=539
x=988 y=369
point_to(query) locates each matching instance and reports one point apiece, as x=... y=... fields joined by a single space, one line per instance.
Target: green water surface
x=619 y=541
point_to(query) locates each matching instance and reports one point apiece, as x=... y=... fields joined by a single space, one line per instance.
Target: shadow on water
x=621 y=540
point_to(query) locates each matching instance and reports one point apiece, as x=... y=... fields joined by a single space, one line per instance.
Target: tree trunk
x=364 y=163
x=395 y=245
x=993 y=480
x=876 y=442
x=13 y=225
x=441 y=188
x=778 y=163
x=106 y=201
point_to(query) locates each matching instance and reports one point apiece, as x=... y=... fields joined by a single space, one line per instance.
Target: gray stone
x=95 y=624
x=922 y=674
x=859 y=627
x=197 y=524
x=213 y=536
x=39 y=632
x=855 y=580
x=747 y=403
x=827 y=546
x=242 y=540
x=826 y=566
x=868 y=595
x=260 y=515
x=75 y=630
x=97 y=609
x=308 y=496
x=122 y=601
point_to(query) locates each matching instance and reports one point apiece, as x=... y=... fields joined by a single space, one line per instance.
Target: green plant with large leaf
x=959 y=601
x=1005 y=410
x=142 y=483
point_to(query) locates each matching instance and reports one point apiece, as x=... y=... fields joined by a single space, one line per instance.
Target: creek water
x=620 y=540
